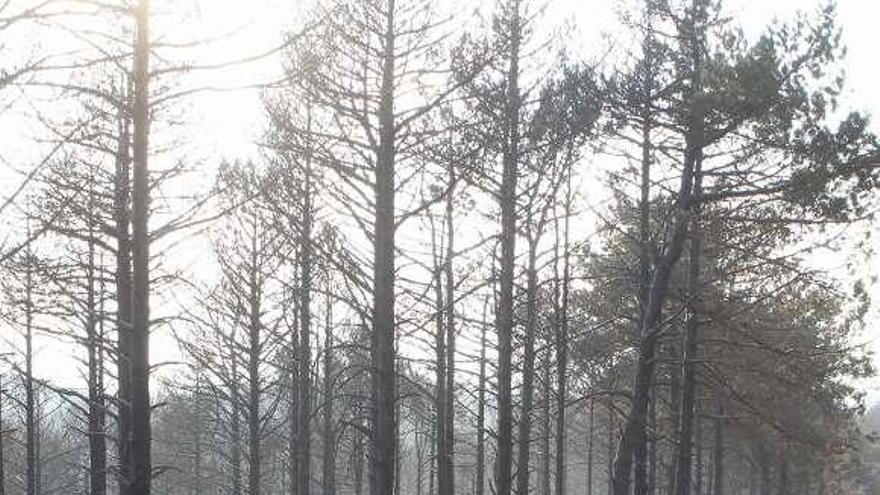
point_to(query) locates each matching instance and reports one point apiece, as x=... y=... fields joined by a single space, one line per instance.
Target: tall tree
x=141 y=465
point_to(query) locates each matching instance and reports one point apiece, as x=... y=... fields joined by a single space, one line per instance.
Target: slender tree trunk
x=432 y=474
x=481 y=412
x=295 y=380
x=255 y=354
x=122 y=217
x=440 y=341
x=140 y=338
x=449 y=416
x=675 y=403
x=305 y=320
x=235 y=407
x=698 y=453
x=198 y=447
x=562 y=347
x=31 y=447
x=718 y=448
x=358 y=462
x=510 y=162
x=96 y=414
x=328 y=477
x=525 y=419
x=545 y=425
x=383 y=441
x=420 y=457
x=38 y=442
x=763 y=461
x=652 y=439
x=235 y=435
x=610 y=469
x=2 y=443
x=398 y=450
x=640 y=449
x=590 y=435
x=783 y=477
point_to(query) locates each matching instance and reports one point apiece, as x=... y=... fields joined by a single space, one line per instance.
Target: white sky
x=235 y=120
x=228 y=124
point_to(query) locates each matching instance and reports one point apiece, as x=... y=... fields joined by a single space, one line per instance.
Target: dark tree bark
x=510 y=162
x=610 y=431
x=328 y=476
x=235 y=436
x=449 y=430
x=545 y=424
x=783 y=477
x=640 y=449
x=305 y=320
x=718 y=452
x=358 y=461
x=590 y=435
x=2 y=443
x=254 y=358
x=688 y=417
x=122 y=218
x=293 y=397
x=480 y=487
x=525 y=418
x=32 y=456
x=562 y=348
x=382 y=353
x=440 y=341
x=140 y=338
x=94 y=349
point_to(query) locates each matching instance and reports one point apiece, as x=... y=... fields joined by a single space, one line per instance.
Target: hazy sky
x=227 y=124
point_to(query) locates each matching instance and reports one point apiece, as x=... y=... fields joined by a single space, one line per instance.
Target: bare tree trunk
x=652 y=439
x=510 y=162
x=449 y=416
x=140 y=338
x=562 y=347
x=358 y=454
x=293 y=405
x=481 y=412
x=718 y=448
x=94 y=342
x=235 y=405
x=305 y=320
x=611 y=428
x=783 y=477
x=198 y=447
x=2 y=444
x=31 y=447
x=328 y=477
x=432 y=474
x=253 y=368
x=420 y=456
x=688 y=397
x=590 y=435
x=698 y=452
x=121 y=208
x=525 y=419
x=640 y=449
x=235 y=435
x=545 y=425
x=440 y=341
x=383 y=388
